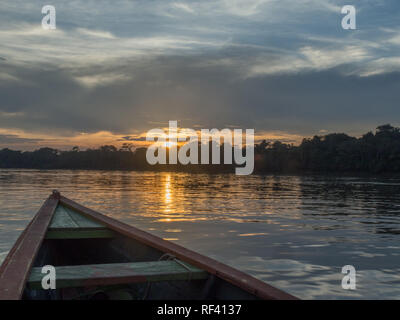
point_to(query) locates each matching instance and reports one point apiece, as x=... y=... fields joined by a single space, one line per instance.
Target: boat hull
x=96 y=256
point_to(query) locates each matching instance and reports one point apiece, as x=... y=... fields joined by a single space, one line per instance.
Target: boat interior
x=93 y=262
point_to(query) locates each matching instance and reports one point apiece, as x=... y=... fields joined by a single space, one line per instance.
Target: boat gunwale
x=16 y=267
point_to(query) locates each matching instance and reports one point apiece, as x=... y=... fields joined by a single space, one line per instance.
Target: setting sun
x=170 y=144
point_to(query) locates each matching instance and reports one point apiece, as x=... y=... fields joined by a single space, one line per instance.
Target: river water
x=294 y=232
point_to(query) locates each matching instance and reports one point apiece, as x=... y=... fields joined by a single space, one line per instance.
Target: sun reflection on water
x=168 y=196
x=295 y=232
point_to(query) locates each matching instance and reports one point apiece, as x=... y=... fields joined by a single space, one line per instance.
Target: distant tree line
x=377 y=152
x=336 y=152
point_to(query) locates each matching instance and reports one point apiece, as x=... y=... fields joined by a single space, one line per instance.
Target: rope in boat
x=167 y=257
x=185 y=266
x=172 y=257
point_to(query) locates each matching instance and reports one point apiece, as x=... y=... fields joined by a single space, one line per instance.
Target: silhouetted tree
x=336 y=152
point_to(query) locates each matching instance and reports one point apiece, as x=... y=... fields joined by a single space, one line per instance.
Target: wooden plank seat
x=119 y=273
x=67 y=224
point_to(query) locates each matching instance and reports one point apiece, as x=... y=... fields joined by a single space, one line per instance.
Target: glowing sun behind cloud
x=170 y=144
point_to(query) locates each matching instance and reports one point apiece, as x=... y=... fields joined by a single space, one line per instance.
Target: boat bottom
x=161 y=278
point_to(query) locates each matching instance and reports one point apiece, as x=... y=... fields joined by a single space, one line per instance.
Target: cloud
x=96 y=33
x=92 y=81
x=7 y=77
x=27 y=44
x=244 y=7
x=115 y=70
x=142 y=30
x=25 y=140
x=130 y=138
x=11 y=139
x=380 y=66
x=320 y=59
x=307 y=59
x=183 y=6
x=195 y=92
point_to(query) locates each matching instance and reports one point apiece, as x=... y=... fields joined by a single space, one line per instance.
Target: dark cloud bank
x=194 y=91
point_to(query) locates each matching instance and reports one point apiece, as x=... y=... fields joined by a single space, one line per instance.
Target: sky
x=113 y=70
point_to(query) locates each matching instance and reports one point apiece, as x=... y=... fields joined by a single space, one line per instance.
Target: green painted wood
x=79 y=234
x=118 y=273
x=68 y=224
x=82 y=221
x=61 y=219
x=65 y=218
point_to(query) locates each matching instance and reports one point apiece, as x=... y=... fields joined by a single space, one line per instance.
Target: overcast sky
x=115 y=69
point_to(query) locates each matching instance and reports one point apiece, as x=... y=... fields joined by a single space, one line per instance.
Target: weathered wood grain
x=82 y=221
x=65 y=218
x=118 y=273
x=90 y=233
x=62 y=220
